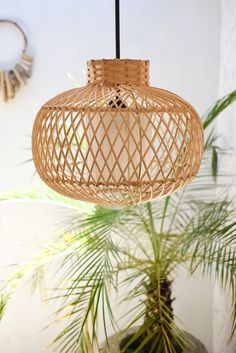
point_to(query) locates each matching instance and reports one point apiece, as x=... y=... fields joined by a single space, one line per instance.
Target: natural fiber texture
x=117 y=140
x=11 y=80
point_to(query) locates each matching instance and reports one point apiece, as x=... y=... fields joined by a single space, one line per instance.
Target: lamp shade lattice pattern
x=117 y=141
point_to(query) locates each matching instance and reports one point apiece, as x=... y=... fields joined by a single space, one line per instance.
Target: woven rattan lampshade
x=117 y=140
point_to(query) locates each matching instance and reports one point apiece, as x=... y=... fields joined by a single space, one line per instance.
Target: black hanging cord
x=117 y=15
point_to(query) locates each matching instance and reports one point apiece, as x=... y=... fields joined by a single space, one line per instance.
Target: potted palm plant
x=137 y=251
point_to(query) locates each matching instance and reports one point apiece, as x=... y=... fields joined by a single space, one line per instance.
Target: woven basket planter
x=117 y=141
x=114 y=344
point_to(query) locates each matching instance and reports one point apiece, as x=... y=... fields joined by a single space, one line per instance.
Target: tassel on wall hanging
x=12 y=79
x=117 y=141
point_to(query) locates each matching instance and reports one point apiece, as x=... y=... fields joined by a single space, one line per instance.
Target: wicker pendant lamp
x=117 y=141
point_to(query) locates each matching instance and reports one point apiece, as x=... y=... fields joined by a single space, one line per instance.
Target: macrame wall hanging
x=117 y=141
x=12 y=79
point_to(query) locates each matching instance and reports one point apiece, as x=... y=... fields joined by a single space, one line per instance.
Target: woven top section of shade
x=118 y=72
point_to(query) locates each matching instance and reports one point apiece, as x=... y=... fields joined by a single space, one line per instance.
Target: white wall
x=180 y=37
x=226 y=125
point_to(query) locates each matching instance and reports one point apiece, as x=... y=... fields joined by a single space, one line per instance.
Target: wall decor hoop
x=12 y=79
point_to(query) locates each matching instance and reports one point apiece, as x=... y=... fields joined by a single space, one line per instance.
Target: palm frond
x=45 y=194
x=210 y=239
x=87 y=278
x=218 y=108
x=158 y=332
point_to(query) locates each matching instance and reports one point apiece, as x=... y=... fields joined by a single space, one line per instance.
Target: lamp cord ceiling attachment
x=117 y=27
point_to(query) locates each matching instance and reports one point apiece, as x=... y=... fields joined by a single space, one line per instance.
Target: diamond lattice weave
x=117 y=140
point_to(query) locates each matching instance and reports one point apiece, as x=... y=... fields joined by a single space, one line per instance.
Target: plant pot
x=115 y=340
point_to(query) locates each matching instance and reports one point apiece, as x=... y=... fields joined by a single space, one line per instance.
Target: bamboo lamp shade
x=117 y=141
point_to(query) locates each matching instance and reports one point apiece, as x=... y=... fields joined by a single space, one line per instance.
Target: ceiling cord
x=117 y=25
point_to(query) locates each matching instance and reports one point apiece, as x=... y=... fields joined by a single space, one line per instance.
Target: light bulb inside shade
x=124 y=148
